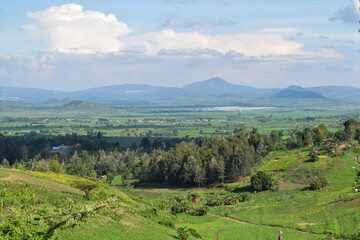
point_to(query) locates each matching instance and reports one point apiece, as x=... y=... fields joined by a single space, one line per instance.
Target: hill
x=332 y=212
x=337 y=91
x=296 y=92
x=139 y=94
x=27 y=94
x=48 y=197
x=218 y=87
x=80 y=106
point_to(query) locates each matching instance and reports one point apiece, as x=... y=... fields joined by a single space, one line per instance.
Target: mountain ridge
x=215 y=87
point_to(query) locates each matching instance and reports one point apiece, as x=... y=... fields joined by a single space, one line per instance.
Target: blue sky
x=83 y=44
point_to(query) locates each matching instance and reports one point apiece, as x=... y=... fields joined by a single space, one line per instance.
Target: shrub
x=220 y=199
x=314 y=157
x=261 y=181
x=183 y=233
x=199 y=211
x=194 y=233
x=194 y=197
x=180 y=208
x=319 y=183
x=167 y=223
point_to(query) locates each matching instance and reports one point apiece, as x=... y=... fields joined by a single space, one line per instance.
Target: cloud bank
x=70 y=29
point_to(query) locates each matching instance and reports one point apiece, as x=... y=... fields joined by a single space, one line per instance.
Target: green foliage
x=261 y=181
x=183 y=233
x=167 y=222
x=56 y=167
x=223 y=198
x=31 y=223
x=199 y=210
x=319 y=183
x=314 y=157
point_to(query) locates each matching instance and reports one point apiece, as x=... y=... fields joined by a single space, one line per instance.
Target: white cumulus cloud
x=252 y=44
x=70 y=29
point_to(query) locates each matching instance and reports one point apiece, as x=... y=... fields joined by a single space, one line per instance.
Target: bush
x=314 y=157
x=183 y=233
x=194 y=197
x=319 y=183
x=180 y=208
x=261 y=181
x=220 y=199
x=167 y=223
x=194 y=233
x=199 y=211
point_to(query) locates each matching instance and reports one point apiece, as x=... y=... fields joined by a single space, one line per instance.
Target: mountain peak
x=217 y=81
x=298 y=92
x=295 y=88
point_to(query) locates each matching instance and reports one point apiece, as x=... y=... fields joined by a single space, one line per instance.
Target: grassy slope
x=53 y=194
x=333 y=210
x=298 y=212
x=4 y=174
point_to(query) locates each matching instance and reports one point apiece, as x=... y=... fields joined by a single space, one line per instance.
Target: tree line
x=191 y=162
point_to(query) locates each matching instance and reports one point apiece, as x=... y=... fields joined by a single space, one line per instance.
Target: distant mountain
x=337 y=91
x=218 y=87
x=27 y=94
x=123 y=92
x=297 y=93
x=80 y=106
x=136 y=94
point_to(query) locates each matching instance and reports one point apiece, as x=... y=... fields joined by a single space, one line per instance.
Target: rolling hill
x=80 y=106
x=213 y=88
x=296 y=92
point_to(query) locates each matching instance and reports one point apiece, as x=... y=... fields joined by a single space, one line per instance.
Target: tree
x=261 y=181
x=350 y=128
x=86 y=186
x=145 y=143
x=92 y=174
x=110 y=178
x=55 y=166
x=199 y=175
x=5 y=163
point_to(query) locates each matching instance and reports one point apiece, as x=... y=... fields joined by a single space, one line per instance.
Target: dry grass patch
x=36 y=181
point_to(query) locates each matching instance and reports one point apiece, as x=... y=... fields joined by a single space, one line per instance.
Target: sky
x=68 y=46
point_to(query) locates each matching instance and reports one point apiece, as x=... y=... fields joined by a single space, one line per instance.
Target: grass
x=300 y=213
x=290 y=207
x=131 y=227
x=4 y=174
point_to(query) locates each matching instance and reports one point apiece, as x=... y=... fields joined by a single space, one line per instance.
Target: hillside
x=49 y=190
x=332 y=212
x=88 y=107
x=296 y=92
x=337 y=91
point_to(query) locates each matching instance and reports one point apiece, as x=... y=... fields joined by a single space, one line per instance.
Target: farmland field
x=130 y=125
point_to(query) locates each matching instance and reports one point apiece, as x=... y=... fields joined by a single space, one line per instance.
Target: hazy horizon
x=177 y=87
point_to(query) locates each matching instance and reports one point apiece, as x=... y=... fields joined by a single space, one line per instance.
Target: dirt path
x=258 y=224
x=44 y=183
